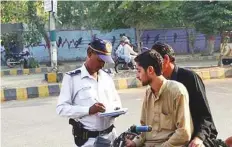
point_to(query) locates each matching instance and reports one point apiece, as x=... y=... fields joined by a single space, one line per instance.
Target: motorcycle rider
x=120 y=46
x=126 y=52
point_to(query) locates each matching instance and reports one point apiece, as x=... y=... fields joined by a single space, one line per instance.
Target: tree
x=108 y=15
x=12 y=12
x=36 y=20
x=17 y=12
x=210 y=18
x=74 y=13
x=137 y=14
x=30 y=13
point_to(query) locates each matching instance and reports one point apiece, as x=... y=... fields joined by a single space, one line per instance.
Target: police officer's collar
x=85 y=73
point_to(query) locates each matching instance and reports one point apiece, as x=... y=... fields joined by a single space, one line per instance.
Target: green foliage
x=208 y=17
x=7 y=38
x=36 y=22
x=138 y=14
x=108 y=15
x=105 y=15
x=32 y=63
x=13 y=11
x=74 y=13
x=31 y=38
x=30 y=13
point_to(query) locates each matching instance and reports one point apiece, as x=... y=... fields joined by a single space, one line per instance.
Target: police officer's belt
x=91 y=134
x=94 y=134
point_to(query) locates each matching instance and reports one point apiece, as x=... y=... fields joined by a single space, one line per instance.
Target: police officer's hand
x=97 y=107
x=130 y=143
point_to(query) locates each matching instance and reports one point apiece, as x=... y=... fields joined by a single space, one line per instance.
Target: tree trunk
x=33 y=18
x=189 y=48
x=47 y=40
x=138 y=39
x=210 y=41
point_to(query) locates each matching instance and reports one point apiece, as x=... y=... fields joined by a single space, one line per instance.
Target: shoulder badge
x=74 y=72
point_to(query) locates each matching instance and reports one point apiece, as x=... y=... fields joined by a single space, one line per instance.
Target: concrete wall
x=16 y=28
x=72 y=44
x=70 y=47
x=9 y=28
x=177 y=38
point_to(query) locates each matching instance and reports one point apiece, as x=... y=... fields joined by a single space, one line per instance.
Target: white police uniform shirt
x=80 y=91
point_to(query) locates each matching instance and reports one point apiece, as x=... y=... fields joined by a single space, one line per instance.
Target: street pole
x=53 y=47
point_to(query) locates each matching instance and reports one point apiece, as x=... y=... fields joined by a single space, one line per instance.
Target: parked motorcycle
x=13 y=59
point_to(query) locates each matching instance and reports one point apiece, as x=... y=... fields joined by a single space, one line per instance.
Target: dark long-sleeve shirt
x=204 y=126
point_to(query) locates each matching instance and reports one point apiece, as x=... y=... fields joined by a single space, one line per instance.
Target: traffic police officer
x=87 y=91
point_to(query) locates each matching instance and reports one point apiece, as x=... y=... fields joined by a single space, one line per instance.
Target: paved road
x=34 y=123
x=38 y=79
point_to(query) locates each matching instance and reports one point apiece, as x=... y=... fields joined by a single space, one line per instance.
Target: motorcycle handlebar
x=138 y=129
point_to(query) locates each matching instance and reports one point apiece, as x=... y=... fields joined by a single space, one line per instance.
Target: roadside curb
x=218 y=73
x=56 y=77
x=54 y=90
x=122 y=83
x=10 y=72
x=197 y=58
x=53 y=77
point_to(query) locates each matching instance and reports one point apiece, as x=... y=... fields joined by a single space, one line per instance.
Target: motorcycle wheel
x=226 y=61
x=10 y=65
x=120 y=66
x=132 y=66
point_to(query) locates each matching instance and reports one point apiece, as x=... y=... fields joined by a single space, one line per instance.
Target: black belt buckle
x=103 y=132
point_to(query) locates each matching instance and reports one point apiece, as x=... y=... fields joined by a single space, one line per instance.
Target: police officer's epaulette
x=74 y=72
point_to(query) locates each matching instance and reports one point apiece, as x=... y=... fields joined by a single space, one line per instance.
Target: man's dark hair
x=164 y=49
x=150 y=58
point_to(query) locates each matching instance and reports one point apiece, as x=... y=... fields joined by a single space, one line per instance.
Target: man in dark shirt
x=204 y=129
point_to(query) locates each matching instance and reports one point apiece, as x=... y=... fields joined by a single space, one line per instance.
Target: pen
x=117 y=108
x=96 y=100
